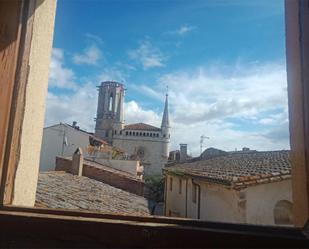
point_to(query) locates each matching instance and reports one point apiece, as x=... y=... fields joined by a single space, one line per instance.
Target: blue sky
x=224 y=62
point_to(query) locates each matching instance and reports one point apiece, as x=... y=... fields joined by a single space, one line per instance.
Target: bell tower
x=109 y=120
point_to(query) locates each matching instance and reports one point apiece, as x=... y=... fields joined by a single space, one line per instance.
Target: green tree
x=155 y=189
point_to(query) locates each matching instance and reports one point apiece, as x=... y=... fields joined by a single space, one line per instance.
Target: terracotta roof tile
x=57 y=189
x=141 y=126
x=250 y=168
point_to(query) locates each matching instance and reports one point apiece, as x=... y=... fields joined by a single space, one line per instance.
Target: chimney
x=183 y=152
x=77 y=162
x=74 y=124
x=245 y=149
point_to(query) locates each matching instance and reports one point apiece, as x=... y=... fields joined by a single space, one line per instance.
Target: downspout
x=198 y=199
x=165 y=186
x=186 y=207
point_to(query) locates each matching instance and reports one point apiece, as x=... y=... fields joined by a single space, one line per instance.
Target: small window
x=147 y=134
x=140 y=133
x=180 y=186
x=164 y=135
x=120 y=132
x=144 y=134
x=133 y=133
x=130 y=133
x=171 y=184
x=126 y=133
x=110 y=105
x=115 y=132
x=194 y=192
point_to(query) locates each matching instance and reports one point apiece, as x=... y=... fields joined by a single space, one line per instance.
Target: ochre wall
x=36 y=92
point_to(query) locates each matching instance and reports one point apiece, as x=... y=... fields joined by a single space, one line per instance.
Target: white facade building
x=252 y=188
x=61 y=140
x=140 y=141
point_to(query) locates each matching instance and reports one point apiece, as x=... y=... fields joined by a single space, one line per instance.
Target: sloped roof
x=57 y=189
x=141 y=126
x=239 y=170
x=212 y=152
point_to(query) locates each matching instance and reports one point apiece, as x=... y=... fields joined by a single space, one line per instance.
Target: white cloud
x=210 y=94
x=147 y=55
x=184 y=29
x=113 y=74
x=94 y=38
x=59 y=75
x=136 y=114
x=201 y=101
x=90 y=56
x=79 y=106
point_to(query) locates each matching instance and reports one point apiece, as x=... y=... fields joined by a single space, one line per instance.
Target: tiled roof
x=57 y=189
x=141 y=126
x=239 y=170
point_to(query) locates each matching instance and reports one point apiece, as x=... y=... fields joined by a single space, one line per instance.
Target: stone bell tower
x=109 y=120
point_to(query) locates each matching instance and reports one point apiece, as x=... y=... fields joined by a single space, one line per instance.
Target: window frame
x=26 y=225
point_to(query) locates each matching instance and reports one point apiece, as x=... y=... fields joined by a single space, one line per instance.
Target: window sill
x=62 y=228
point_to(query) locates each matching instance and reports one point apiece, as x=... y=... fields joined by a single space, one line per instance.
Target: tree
x=155 y=189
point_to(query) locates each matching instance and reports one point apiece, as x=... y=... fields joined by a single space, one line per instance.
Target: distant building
x=63 y=139
x=253 y=187
x=180 y=155
x=140 y=141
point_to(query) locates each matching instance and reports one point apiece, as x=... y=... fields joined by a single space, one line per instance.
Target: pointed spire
x=165 y=118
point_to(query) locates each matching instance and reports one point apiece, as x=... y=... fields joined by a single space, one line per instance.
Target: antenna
x=166 y=90
x=201 y=142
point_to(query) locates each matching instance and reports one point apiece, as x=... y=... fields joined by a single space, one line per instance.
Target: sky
x=222 y=60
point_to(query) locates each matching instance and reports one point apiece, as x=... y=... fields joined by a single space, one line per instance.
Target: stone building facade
x=140 y=141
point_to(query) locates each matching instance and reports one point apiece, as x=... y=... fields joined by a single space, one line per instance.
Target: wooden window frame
x=41 y=227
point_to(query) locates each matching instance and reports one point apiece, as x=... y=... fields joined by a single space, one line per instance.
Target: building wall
x=52 y=144
x=261 y=201
x=219 y=203
x=155 y=151
x=101 y=174
x=253 y=205
x=129 y=166
x=175 y=201
x=34 y=110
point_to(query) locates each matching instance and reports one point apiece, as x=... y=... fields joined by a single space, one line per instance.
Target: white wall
x=219 y=203
x=52 y=144
x=253 y=205
x=261 y=201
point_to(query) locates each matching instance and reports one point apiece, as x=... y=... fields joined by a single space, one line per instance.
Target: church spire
x=165 y=118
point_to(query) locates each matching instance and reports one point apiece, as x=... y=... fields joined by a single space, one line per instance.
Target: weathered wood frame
x=62 y=228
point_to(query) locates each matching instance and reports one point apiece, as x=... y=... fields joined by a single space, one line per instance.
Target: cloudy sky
x=224 y=63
